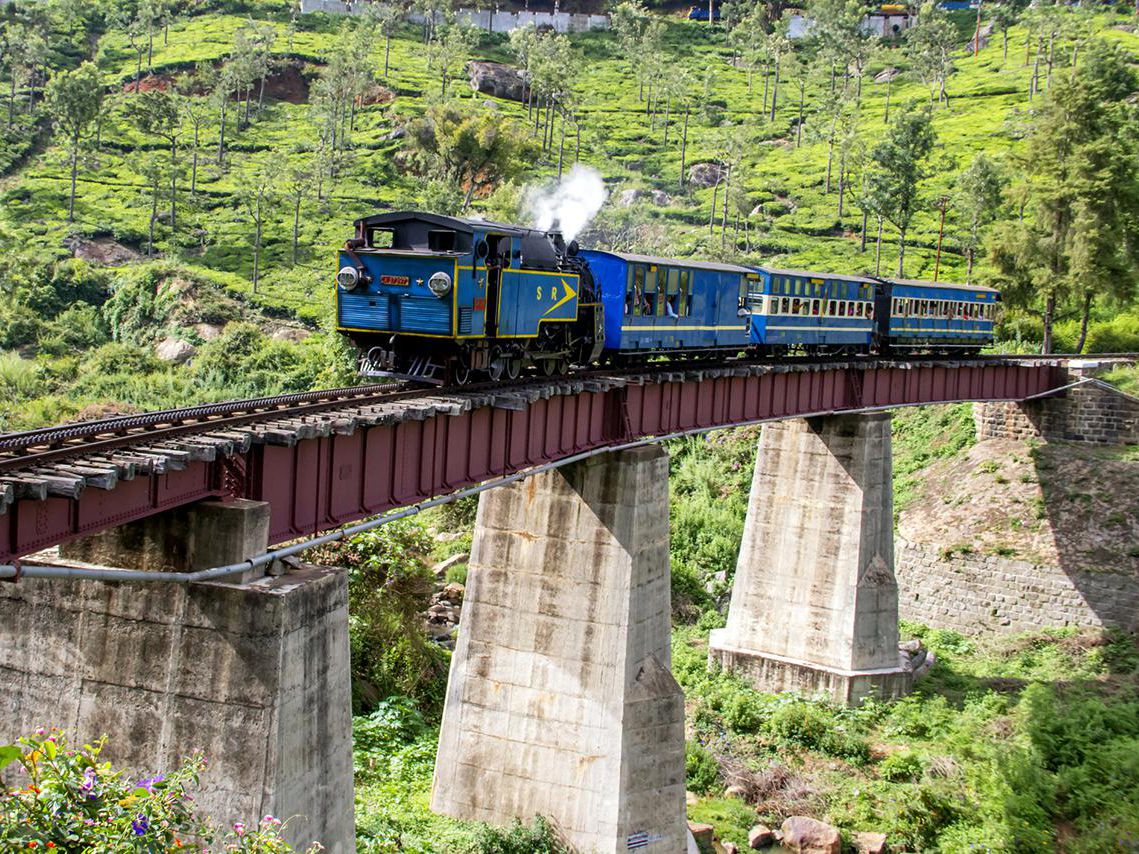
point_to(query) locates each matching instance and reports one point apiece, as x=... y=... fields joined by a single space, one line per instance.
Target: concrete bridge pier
x=254 y=674
x=560 y=700
x=815 y=603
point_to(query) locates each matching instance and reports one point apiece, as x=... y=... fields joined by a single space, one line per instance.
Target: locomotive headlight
x=348 y=278
x=440 y=284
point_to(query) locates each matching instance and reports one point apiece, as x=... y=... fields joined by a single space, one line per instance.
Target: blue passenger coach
x=662 y=304
x=937 y=315
x=810 y=311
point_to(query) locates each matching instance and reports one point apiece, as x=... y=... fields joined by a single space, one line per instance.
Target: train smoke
x=569 y=205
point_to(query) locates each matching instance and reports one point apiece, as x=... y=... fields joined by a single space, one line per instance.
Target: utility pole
x=943 y=203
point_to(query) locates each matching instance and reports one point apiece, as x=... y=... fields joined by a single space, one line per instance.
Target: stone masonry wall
x=1085 y=413
x=975 y=593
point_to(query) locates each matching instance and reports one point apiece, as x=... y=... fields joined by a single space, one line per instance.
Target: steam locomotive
x=448 y=300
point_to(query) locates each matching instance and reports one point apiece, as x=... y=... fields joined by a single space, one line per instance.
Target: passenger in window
x=670 y=305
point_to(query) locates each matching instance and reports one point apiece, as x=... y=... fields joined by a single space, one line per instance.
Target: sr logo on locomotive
x=449 y=300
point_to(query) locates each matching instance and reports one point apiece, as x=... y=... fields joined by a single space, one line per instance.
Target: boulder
x=494 y=78
x=805 y=835
x=490 y=105
x=175 y=350
x=396 y=133
x=102 y=250
x=705 y=174
x=866 y=842
x=702 y=833
x=886 y=75
x=633 y=195
x=440 y=569
x=730 y=848
x=760 y=836
x=290 y=333
x=736 y=792
x=454 y=592
x=660 y=197
x=208 y=331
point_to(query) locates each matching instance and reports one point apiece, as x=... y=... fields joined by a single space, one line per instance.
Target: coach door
x=497 y=261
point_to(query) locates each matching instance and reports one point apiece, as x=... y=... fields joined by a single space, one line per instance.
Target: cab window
x=381 y=238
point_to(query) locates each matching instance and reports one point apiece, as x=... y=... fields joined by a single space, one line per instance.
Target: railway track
x=64 y=460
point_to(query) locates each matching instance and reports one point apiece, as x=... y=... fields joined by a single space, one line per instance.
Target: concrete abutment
x=560 y=700
x=255 y=675
x=814 y=603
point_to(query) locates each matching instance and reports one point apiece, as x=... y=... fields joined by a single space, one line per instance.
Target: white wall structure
x=484 y=19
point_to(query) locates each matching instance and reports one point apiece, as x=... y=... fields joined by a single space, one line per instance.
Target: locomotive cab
x=443 y=299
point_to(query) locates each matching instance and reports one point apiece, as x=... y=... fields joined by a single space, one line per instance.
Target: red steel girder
x=322 y=483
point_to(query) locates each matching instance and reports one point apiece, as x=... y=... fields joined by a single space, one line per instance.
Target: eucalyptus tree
x=977 y=202
x=224 y=88
x=258 y=191
x=197 y=111
x=76 y=99
x=1079 y=242
x=299 y=182
x=929 y=47
x=158 y=113
x=899 y=168
x=449 y=46
x=1004 y=17
x=839 y=26
x=778 y=46
x=385 y=18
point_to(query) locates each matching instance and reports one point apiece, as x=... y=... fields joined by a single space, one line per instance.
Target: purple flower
x=140 y=825
x=149 y=782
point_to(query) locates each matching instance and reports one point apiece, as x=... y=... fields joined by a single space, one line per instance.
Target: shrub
x=539 y=838
x=902 y=767
x=72 y=801
x=701 y=769
x=20 y=379
x=19 y=326
x=816 y=727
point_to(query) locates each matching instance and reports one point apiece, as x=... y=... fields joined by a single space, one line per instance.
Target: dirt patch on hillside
x=150 y=83
x=1063 y=504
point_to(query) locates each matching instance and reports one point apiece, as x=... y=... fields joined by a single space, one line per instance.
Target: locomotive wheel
x=513 y=368
x=549 y=367
x=462 y=374
x=496 y=368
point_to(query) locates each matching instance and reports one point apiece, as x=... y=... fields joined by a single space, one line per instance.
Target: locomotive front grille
x=425 y=315
x=364 y=311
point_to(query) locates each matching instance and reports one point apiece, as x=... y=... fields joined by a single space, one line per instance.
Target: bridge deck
x=336 y=462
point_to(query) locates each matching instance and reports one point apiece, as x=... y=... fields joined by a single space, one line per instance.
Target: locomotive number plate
x=395 y=280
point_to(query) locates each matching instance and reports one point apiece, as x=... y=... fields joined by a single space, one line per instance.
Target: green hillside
x=308 y=98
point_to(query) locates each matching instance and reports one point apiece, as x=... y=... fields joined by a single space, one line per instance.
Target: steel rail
x=19 y=450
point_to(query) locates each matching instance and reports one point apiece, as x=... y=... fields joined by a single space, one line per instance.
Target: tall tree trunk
x=1049 y=315
x=774 y=91
x=74 y=172
x=830 y=156
x=667 y=113
x=173 y=187
x=138 y=74
x=727 y=196
x=221 y=133
x=684 y=144
x=194 y=166
x=862 y=244
x=1084 y=315
x=901 y=252
x=149 y=49
x=766 y=82
x=296 y=226
x=12 y=100
x=1051 y=44
x=841 y=184
x=257 y=246
x=969 y=256
x=886 y=119
x=799 y=126
x=261 y=94
x=561 y=147
x=1027 y=47
x=1004 y=58
x=153 y=218
x=387 y=53
x=878 y=250
x=712 y=216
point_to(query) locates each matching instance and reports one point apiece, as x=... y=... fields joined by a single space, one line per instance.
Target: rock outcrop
x=805 y=835
x=494 y=78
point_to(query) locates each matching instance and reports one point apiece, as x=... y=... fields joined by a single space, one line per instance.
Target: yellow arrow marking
x=570 y=294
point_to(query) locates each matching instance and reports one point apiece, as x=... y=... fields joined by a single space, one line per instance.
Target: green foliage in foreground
x=65 y=798
x=1007 y=740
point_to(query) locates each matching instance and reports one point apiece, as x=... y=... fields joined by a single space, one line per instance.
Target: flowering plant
x=55 y=797
x=65 y=799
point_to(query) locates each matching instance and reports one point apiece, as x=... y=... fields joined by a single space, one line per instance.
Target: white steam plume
x=569 y=205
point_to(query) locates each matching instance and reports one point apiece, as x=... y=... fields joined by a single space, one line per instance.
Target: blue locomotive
x=446 y=300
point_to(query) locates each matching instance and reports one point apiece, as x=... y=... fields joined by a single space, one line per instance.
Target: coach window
x=649 y=302
x=638 y=290
x=672 y=293
x=685 y=294
x=785 y=306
